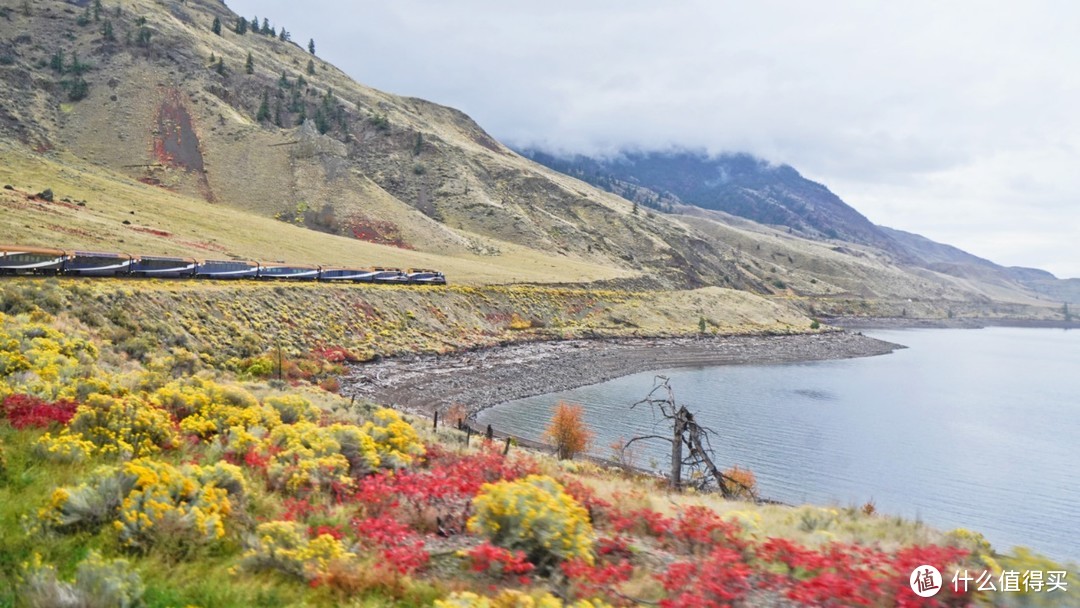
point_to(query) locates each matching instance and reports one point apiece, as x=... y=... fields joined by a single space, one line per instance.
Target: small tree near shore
x=568 y=431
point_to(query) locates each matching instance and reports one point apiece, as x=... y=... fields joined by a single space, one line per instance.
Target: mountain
x=739 y=184
x=752 y=188
x=159 y=134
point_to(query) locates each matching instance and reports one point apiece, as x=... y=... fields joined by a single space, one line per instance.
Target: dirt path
x=483 y=378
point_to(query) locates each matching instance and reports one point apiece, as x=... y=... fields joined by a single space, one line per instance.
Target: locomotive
x=15 y=259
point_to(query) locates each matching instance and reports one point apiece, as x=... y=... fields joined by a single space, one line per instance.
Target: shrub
x=293 y=408
x=150 y=502
x=396 y=440
x=512 y=599
x=740 y=483
x=284 y=546
x=36 y=359
x=309 y=458
x=534 y=515
x=126 y=426
x=568 y=430
x=24 y=411
x=98 y=583
x=497 y=561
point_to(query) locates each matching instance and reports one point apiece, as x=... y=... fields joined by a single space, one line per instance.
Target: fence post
x=506 y=450
x=435 y=426
x=490 y=433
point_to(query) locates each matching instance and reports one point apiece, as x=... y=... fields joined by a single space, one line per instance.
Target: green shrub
x=98 y=583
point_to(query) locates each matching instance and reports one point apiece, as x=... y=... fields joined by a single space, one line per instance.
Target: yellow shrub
x=284 y=546
x=39 y=360
x=148 y=501
x=125 y=426
x=310 y=458
x=293 y=408
x=535 y=515
x=512 y=599
x=396 y=440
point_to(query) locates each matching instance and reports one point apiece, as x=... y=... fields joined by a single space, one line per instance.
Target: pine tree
x=213 y=58
x=97 y=10
x=107 y=31
x=322 y=121
x=144 y=36
x=284 y=36
x=216 y=27
x=57 y=61
x=264 y=108
x=220 y=68
x=273 y=32
x=283 y=82
x=241 y=26
x=277 y=113
x=311 y=67
x=311 y=46
x=249 y=65
x=266 y=26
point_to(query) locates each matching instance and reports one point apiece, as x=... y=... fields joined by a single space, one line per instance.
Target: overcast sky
x=956 y=120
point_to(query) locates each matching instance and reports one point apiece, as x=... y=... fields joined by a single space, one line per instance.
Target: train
x=19 y=260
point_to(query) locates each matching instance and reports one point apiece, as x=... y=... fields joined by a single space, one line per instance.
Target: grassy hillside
x=144 y=109
x=134 y=476
x=97 y=209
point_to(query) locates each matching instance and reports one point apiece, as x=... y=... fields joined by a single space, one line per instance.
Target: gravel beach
x=479 y=379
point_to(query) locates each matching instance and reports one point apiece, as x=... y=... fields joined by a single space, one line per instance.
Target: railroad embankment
x=263 y=328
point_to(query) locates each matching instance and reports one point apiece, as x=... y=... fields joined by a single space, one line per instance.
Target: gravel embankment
x=480 y=379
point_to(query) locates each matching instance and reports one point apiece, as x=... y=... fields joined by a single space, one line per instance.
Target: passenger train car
x=15 y=259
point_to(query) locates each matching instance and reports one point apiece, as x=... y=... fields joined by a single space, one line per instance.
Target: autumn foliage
x=568 y=430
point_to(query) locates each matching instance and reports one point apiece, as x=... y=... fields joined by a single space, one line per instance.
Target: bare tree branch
x=702 y=472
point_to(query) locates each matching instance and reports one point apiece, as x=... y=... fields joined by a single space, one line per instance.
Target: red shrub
x=598 y=580
x=718 y=580
x=497 y=561
x=24 y=411
x=401 y=549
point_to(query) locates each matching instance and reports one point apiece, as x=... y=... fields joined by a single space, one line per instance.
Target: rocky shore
x=478 y=379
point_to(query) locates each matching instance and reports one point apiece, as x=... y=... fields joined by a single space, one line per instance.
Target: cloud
x=916 y=113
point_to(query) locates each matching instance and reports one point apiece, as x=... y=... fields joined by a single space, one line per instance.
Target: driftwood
x=703 y=473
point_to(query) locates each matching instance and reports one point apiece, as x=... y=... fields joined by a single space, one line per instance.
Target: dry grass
x=168 y=223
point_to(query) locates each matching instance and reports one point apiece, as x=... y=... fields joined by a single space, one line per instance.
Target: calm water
x=966 y=428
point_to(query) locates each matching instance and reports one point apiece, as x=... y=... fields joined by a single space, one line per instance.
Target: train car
x=389 y=275
x=419 y=275
x=226 y=269
x=98 y=264
x=293 y=272
x=15 y=259
x=356 y=275
x=163 y=267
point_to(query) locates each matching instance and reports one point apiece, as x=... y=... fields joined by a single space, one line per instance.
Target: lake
x=977 y=429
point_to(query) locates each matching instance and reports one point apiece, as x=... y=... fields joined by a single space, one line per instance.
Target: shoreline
x=857 y=323
x=423 y=384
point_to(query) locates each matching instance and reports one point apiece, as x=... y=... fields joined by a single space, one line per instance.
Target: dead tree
x=687 y=434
